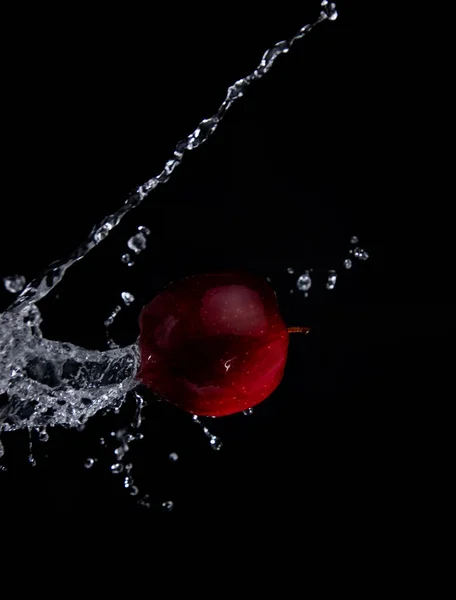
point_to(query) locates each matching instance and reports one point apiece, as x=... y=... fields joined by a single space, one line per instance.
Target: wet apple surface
x=213 y=344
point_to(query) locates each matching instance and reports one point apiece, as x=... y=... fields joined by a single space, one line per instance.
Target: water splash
x=57 y=383
x=125 y=436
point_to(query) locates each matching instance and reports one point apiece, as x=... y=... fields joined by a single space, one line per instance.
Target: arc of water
x=41 y=286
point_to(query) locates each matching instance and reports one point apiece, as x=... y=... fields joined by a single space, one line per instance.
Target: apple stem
x=304 y=330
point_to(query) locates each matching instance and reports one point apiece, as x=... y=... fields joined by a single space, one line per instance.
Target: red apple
x=213 y=344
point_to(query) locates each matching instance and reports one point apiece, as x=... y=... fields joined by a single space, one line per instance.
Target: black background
x=321 y=149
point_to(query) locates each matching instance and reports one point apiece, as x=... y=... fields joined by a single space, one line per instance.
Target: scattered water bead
x=144 y=229
x=110 y=320
x=128 y=481
x=103 y=442
x=290 y=270
x=133 y=490
x=126 y=259
x=137 y=243
x=144 y=501
x=31 y=460
x=120 y=451
x=43 y=435
x=127 y=298
x=360 y=254
x=2 y=450
x=215 y=442
x=168 y=505
x=88 y=464
x=14 y=283
x=304 y=282
x=332 y=278
x=354 y=240
x=249 y=411
x=173 y=457
x=117 y=468
x=348 y=263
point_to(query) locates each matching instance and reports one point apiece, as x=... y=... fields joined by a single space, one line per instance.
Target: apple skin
x=213 y=344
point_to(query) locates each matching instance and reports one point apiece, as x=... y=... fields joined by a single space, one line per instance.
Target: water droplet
x=331 y=283
x=248 y=411
x=125 y=258
x=3 y=468
x=127 y=298
x=128 y=467
x=348 y=263
x=215 y=442
x=144 y=229
x=304 y=282
x=168 y=505
x=14 y=283
x=354 y=240
x=133 y=490
x=329 y=10
x=31 y=460
x=137 y=243
x=332 y=16
x=360 y=254
x=117 y=468
x=120 y=452
x=110 y=320
x=290 y=270
x=128 y=481
x=43 y=435
x=102 y=442
x=173 y=457
x=2 y=450
x=88 y=464
x=145 y=501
